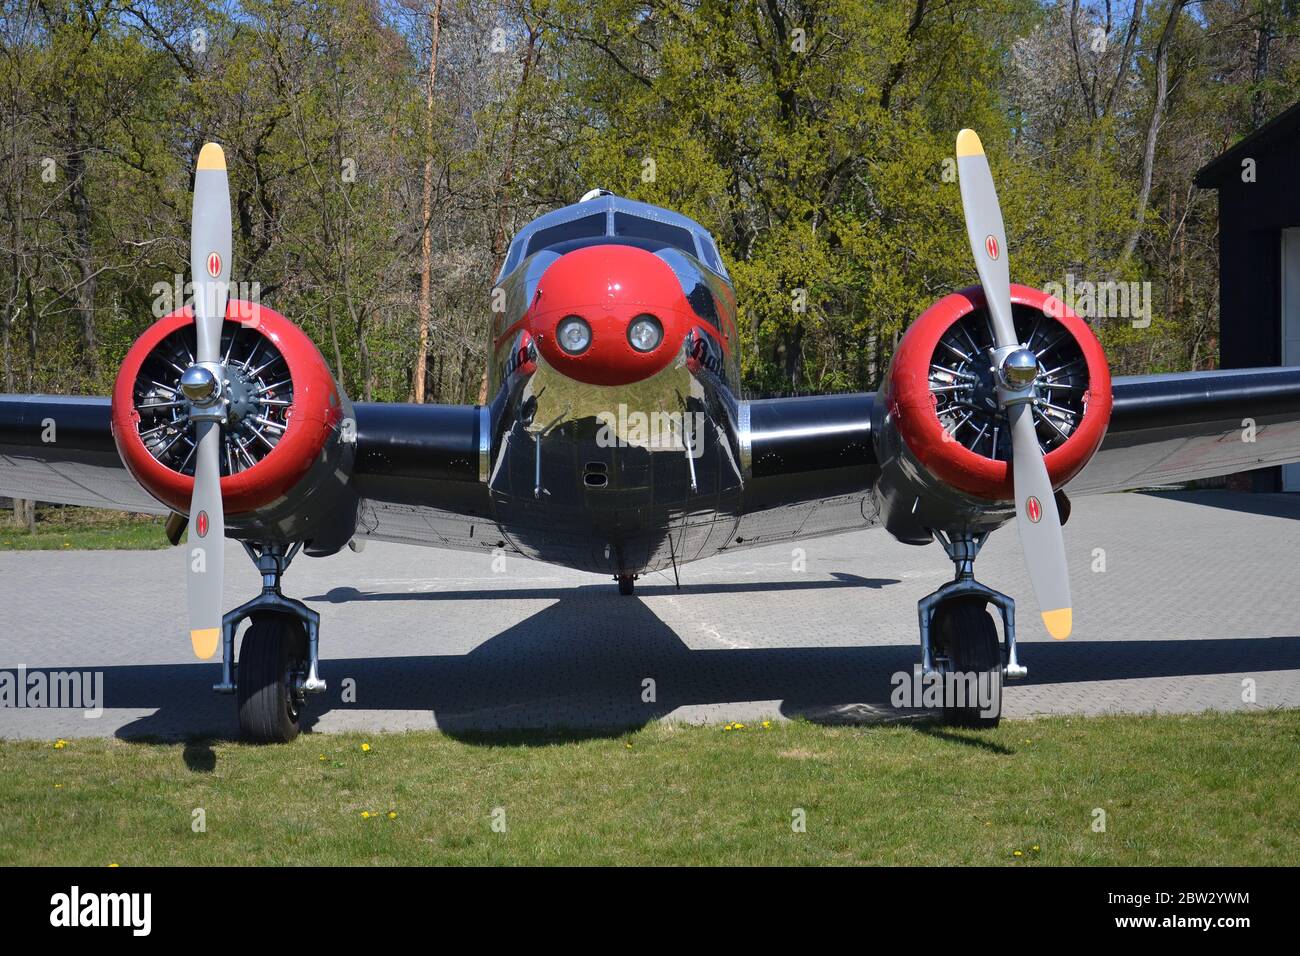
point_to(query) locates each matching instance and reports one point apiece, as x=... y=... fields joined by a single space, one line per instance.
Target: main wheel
x=626 y=584
x=963 y=631
x=274 y=649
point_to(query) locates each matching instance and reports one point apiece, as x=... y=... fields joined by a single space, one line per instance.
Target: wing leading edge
x=60 y=449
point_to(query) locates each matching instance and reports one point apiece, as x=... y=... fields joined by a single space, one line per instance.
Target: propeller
x=1016 y=371
x=203 y=384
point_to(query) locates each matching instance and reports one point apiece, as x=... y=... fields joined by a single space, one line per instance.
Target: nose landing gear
x=959 y=641
x=278 y=657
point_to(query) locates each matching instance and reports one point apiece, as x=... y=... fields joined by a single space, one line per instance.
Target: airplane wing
x=420 y=471
x=1188 y=425
x=810 y=460
x=416 y=468
x=60 y=450
x=1163 y=429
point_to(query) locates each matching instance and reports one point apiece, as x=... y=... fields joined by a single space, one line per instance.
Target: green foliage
x=815 y=138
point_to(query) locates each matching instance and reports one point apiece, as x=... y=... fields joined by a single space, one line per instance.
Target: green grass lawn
x=61 y=527
x=1205 y=789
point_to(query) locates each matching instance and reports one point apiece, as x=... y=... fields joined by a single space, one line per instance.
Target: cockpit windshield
x=585 y=228
x=612 y=218
x=638 y=227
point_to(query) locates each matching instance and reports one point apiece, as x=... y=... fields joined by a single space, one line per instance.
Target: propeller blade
x=207 y=544
x=203 y=384
x=987 y=235
x=1040 y=525
x=210 y=250
x=1036 y=512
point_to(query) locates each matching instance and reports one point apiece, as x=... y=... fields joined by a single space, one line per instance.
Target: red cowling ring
x=316 y=410
x=912 y=404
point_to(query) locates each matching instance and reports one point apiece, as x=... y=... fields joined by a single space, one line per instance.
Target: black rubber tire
x=964 y=632
x=268 y=713
x=626 y=585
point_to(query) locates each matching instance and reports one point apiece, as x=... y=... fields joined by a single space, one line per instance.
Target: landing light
x=645 y=333
x=574 y=335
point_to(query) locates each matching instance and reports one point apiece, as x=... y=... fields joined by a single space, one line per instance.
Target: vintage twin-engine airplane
x=616 y=441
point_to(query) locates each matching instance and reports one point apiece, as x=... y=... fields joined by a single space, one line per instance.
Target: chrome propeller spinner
x=1019 y=369
x=200 y=385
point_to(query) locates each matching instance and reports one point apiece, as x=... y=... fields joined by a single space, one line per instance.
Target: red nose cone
x=609 y=288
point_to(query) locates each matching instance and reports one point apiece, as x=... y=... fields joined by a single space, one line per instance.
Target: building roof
x=1281 y=128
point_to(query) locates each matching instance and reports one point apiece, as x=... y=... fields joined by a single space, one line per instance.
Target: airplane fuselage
x=616 y=454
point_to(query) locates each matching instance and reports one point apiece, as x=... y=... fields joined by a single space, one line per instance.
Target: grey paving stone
x=1196 y=597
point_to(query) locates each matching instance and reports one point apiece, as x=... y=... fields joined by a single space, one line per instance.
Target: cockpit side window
x=583 y=228
x=638 y=227
x=711 y=257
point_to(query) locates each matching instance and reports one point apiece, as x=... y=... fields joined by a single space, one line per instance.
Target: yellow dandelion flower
x=58 y=786
x=392 y=814
x=322 y=757
x=740 y=726
x=1018 y=853
x=1034 y=848
x=112 y=865
x=365 y=748
x=365 y=814
x=767 y=725
x=60 y=744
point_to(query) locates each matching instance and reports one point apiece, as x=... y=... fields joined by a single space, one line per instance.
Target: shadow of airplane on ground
x=1277 y=505
x=556 y=670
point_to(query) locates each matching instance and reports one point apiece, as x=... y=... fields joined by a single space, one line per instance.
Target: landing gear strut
x=958 y=636
x=626 y=584
x=279 y=656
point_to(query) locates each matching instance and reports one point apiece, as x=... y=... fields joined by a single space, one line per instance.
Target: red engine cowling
x=942 y=441
x=287 y=452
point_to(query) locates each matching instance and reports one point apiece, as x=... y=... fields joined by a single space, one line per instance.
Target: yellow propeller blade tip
x=968 y=143
x=211 y=156
x=205 y=641
x=1059 y=622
